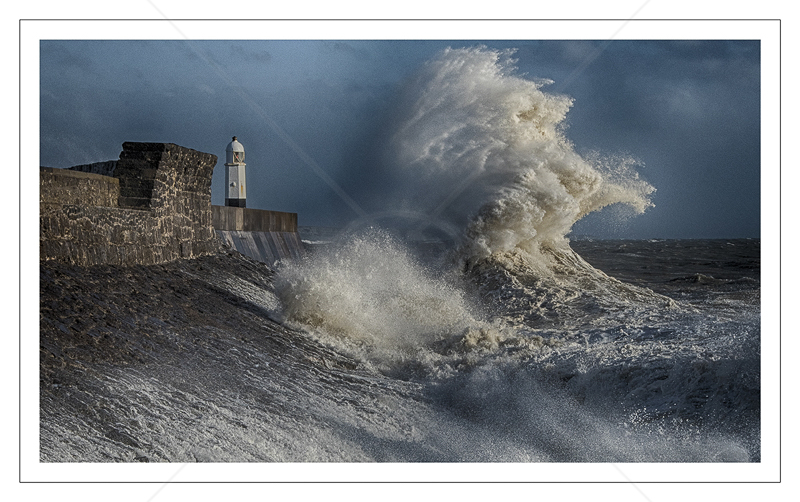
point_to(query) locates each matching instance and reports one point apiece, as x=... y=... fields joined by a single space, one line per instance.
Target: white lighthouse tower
x=236 y=191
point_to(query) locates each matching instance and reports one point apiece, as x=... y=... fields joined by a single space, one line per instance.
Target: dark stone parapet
x=63 y=186
x=158 y=175
x=105 y=168
x=156 y=208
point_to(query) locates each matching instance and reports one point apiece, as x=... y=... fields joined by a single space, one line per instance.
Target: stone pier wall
x=155 y=208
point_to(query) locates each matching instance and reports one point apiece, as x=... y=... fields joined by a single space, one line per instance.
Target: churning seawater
x=487 y=306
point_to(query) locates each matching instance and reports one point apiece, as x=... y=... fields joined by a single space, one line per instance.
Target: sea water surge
x=477 y=333
x=510 y=327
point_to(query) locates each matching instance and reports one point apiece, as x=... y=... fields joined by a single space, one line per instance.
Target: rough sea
x=463 y=323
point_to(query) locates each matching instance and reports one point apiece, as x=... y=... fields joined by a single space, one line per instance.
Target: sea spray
x=561 y=392
x=517 y=332
x=483 y=148
x=370 y=288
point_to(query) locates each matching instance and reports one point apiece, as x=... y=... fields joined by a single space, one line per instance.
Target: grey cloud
x=56 y=54
x=258 y=56
x=344 y=47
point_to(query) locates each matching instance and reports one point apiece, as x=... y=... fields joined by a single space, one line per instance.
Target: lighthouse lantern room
x=236 y=191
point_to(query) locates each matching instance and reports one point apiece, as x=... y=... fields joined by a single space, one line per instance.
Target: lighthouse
x=236 y=191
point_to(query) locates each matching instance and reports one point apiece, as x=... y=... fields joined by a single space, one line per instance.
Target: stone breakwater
x=155 y=208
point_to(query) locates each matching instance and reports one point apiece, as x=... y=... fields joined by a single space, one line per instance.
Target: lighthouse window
x=238 y=156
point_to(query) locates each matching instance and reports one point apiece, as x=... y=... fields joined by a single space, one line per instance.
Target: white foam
x=482 y=147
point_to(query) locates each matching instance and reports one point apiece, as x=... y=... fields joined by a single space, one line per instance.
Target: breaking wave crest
x=372 y=289
x=485 y=150
x=513 y=327
x=478 y=148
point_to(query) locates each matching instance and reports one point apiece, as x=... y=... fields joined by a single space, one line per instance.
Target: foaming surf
x=509 y=327
x=477 y=148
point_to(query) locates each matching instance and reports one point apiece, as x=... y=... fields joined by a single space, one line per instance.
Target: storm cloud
x=313 y=115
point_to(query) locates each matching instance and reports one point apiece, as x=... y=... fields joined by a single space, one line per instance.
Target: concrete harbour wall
x=265 y=236
x=252 y=220
x=266 y=247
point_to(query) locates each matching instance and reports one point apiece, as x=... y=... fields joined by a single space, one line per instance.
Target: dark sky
x=310 y=115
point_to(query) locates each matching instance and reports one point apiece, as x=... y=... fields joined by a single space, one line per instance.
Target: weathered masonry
x=151 y=206
x=155 y=207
